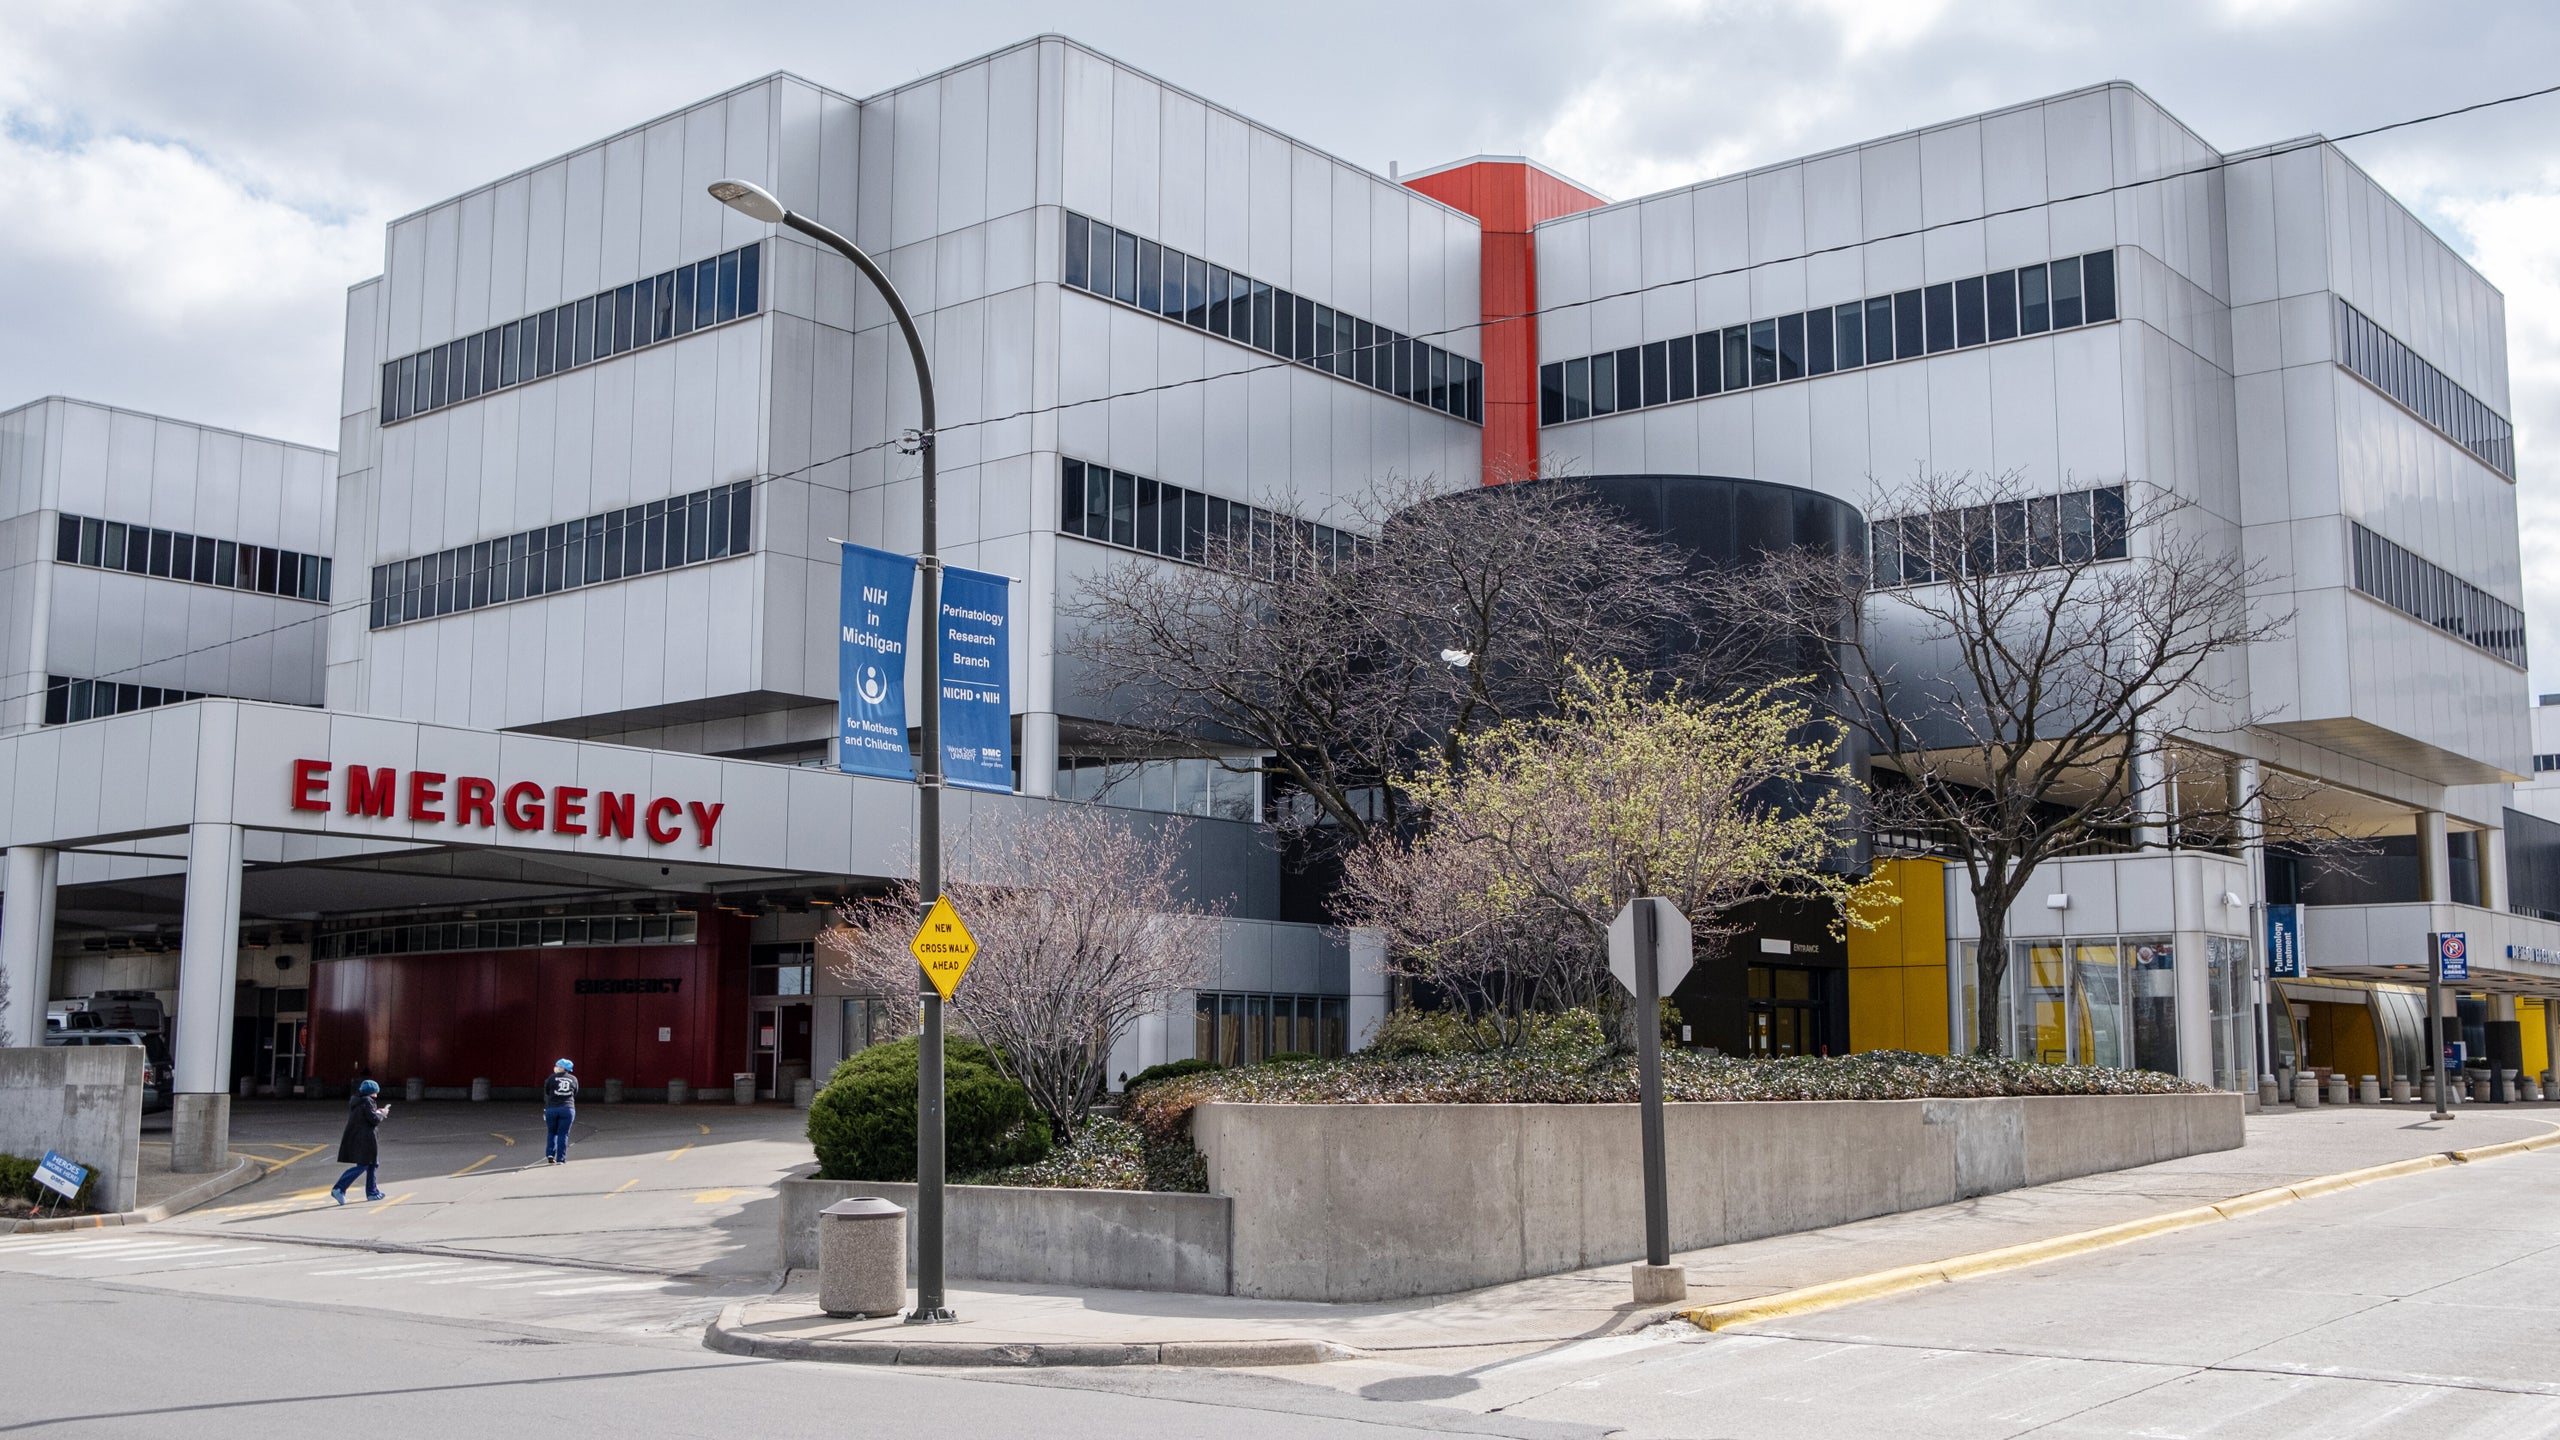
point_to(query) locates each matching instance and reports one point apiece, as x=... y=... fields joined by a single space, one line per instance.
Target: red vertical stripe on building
x=1507 y=198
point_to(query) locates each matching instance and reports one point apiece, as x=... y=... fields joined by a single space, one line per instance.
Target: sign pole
x=2435 y=1024
x=1648 y=1023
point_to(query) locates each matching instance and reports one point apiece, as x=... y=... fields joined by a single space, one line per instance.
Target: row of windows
x=2030 y=534
x=2395 y=369
x=1161 y=280
x=1239 y=1029
x=2545 y=764
x=141 y=550
x=708 y=524
x=2435 y=595
x=677 y=929
x=581 y=332
x=1181 y=786
x=67 y=700
x=1959 y=314
x=1136 y=513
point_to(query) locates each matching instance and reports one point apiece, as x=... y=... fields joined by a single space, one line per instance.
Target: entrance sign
x=2453 y=953
x=871 y=663
x=1671 y=963
x=977 y=706
x=60 y=1176
x=943 y=946
x=2284 y=942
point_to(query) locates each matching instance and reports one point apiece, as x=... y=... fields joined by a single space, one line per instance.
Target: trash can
x=862 y=1257
x=479 y=1087
x=803 y=1090
x=613 y=1092
x=417 y=1089
x=679 y=1092
x=742 y=1087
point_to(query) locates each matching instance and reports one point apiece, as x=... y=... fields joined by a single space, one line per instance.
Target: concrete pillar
x=26 y=943
x=208 y=966
x=2434 y=870
x=2150 y=792
x=1039 y=753
x=2493 y=867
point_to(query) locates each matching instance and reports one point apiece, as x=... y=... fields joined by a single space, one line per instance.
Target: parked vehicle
x=159 y=1072
x=125 y=1010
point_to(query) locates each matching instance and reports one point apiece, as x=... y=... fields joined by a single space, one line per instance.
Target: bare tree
x=1094 y=935
x=2023 y=669
x=1342 y=662
x=1540 y=829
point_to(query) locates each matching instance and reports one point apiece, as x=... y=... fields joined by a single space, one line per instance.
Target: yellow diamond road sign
x=944 y=947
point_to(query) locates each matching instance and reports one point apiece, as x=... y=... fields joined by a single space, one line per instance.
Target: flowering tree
x=1091 y=933
x=1540 y=829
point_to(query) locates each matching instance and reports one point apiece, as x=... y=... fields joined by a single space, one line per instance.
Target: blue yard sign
x=2284 y=942
x=60 y=1176
x=977 y=693
x=2453 y=954
x=871 y=663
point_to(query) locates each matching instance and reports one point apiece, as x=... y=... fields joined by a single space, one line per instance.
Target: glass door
x=1786 y=1012
x=2038 y=979
x=763 y=1037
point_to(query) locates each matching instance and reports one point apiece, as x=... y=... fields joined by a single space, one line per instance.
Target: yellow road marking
x=698 y=1125
x=476 y=1164
x=618 y=1189
x=508 y=1139
x=394 y=1200
x=679 y=1150
x=713 y=1197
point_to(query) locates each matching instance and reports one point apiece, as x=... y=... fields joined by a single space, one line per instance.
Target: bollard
x=2504 y=1086
x=2337 y=1087
x=2529 y=1088
x=862 y=1258
x=416 y=1088
x=2268 y=1096
x=803 y=1090
x=2369 y=1091
x=2478 y=1080
x=613 y=1092
x=479 y=1087
x=742 y=1087
x=2399 y=1089
x=248 y=1086
x=679 y=1092
x=2306 y=1090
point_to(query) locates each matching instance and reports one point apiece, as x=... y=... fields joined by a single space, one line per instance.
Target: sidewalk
x=1055 y=1325
x=159 y=1193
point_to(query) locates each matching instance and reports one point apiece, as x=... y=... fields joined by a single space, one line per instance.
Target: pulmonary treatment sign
x=943 y=946
x=871 y=663
x=977 y=704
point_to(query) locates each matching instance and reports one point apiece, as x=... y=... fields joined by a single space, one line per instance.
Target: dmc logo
x=871 y=685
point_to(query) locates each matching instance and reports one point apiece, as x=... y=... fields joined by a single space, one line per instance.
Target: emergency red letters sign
x=478 y=803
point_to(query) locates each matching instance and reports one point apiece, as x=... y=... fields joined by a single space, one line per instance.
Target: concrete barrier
x=83 y=1101
x=1111 y=1239
x=1375 y=1202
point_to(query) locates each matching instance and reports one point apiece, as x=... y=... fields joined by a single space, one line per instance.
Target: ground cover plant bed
x=1107 y=1154
x=1599 y=1075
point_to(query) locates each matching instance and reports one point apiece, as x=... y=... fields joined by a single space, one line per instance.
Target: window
x=1158 y=518
x=68 y=700
x=1189 y=291
x=2035 y=308
x=1764 y=352
x=1938 y=310
x=484 y=928
x=1791 y=347
x=2435 y=596
x=2029 y=534
x=1241 y=1029
x=1969 y=312
x=580 y=332
x=141 y=550
x=707 y=525
x=2397 y=371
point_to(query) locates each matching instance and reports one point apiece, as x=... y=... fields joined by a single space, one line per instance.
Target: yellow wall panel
x=2537 y=1038
x=1898 y=969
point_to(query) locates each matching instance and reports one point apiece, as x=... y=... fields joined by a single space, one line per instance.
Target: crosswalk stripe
x=610 y=1289
x=170 y=1252
x=385 y=1270
x=483 y=1277
x=95 y=1247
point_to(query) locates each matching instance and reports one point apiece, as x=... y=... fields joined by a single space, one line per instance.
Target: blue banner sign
x=2453 y=954
x=871 y=663
x=977 y=693
x=2284 y=942
x=60 y=1176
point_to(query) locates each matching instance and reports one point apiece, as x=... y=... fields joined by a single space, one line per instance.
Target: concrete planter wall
x=1112 y=1239
x=1374 y=1202
x=84 y=1101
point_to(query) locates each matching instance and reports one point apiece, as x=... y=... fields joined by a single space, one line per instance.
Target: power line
x=1280 y=363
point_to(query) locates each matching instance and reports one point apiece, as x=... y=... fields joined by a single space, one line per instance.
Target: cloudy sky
x=191 y=187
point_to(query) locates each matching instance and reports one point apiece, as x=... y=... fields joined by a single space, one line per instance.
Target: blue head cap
x=367 y=1087
x=564 y=1065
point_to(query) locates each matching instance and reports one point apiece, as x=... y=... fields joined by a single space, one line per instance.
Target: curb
x=243 y=1171
x=1836 y=1293
x=729 y=1336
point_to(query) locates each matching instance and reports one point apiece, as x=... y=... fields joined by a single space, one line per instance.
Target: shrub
x=1108 y=1155
x=1287 y=1057
x=1409 y=1032
x=863 y=1124
x=1166 y=1071
x=18 y=1181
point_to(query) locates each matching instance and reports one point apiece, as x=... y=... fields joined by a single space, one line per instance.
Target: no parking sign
x=2453 y=954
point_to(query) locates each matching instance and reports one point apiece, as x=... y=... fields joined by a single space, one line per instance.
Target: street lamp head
x=748 y=199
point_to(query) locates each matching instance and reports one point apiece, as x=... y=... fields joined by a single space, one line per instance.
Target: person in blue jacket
x=359 y=1149
x=559 y=1111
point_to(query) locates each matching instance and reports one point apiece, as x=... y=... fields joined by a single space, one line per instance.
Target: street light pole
x=754 y=201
